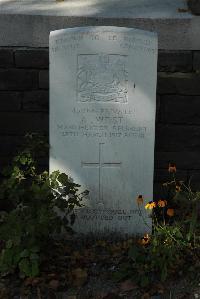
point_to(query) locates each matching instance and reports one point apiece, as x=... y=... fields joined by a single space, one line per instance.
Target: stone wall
x=178 y=115
x=23 y=96
x=24 y=106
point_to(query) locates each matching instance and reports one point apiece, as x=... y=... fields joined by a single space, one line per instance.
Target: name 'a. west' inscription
x=102 y=121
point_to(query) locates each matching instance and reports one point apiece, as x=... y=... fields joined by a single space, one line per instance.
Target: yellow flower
x=172 y=167
x=145 y=240
x=140 y=200
x=170 y=212
x=162 y=203
x=150 y=205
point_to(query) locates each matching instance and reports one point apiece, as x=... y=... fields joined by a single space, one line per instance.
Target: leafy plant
x=175 y=234
x=38 y=206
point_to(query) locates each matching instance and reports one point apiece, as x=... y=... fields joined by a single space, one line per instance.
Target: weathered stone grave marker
x=102 y=121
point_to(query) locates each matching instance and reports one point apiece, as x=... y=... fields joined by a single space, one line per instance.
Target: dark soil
x=75 y=271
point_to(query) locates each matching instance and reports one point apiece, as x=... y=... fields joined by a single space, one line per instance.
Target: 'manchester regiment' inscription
x=102 y=78
x=102 y=123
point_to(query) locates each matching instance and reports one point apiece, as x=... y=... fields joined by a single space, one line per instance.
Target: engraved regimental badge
x=102 y=78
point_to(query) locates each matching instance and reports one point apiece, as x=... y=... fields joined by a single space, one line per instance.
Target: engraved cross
x=99 y=165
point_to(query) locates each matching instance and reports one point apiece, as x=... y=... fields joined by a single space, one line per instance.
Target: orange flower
x=140 y=200
x=150 y=205
x=178 y=188
x=172 y=167
x=170 y=212
x=162 y=203
x=145 y=240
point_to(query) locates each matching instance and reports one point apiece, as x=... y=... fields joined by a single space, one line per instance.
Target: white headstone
x=102 y=121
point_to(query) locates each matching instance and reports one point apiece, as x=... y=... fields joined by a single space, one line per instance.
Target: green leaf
x=16 y=259
x=25 y=267
x=34 y=268
x=7 y=256
x=35 y=249
x=134 y=252
x=119 y=275
x=54 y=175
x=24 y=253
x=144 y=281
x=9 y=244
x=163 y=273
x=34 y=256
x=63 y=179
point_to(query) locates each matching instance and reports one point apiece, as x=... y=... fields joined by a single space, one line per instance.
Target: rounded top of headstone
x=103 y=29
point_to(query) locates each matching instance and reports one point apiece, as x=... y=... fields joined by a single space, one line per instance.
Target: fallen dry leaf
x=36 y=281
x=127 y=285
x=54 y=284
x=28 y=281
x=112 y=296
x=52 y=275
x=159 y=288
x=101 y=243
x=77 y=255
x=145 y=296
x=79 y=276
x=4 y=293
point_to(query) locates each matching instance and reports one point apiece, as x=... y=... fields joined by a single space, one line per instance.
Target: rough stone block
x=162 y=175
x=4 y=162
x=175 y=61
x=6 y=57
x=36 y=100
x=177 y=138
x=10 y=100
x=32 y=58
x=44 y=79
x=14 y=123
x=194 y=177
x=196 y=61
x=184 y=160
x=18 y=79
x=9 y=144
x=157 y=108
x=42 y=162
x=157 y=190
x=180 y=109
x=178 y=83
